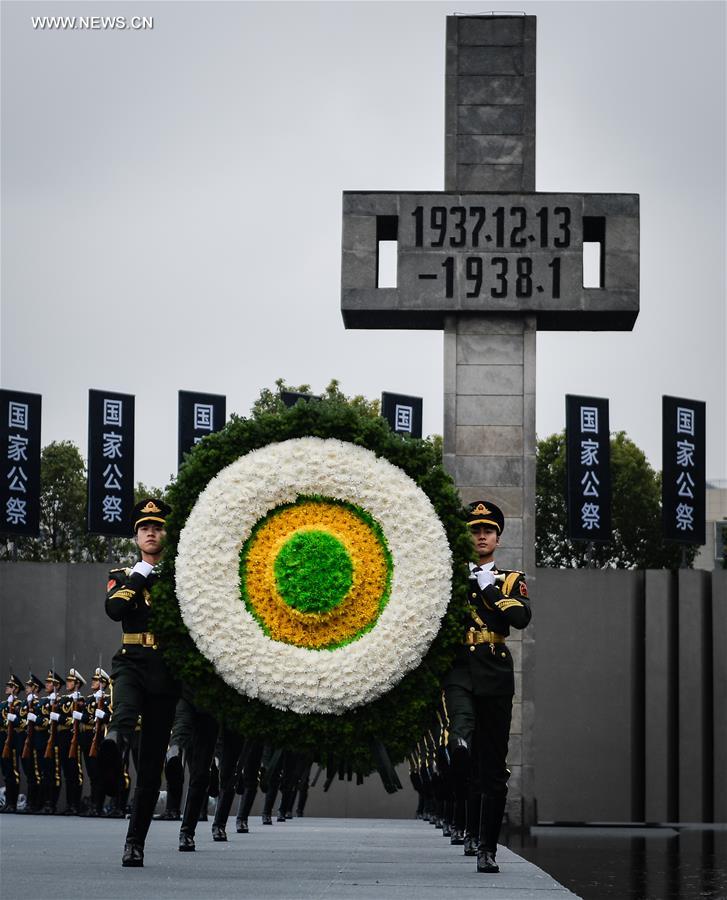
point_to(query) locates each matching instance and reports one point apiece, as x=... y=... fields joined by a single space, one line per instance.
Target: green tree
x=270 y=400
x=636 y=512
x=63 y=498
x=63 y=536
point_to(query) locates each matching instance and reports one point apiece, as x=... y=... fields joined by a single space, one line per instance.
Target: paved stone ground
x=52 y=858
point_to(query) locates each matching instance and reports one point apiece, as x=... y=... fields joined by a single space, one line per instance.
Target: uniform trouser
x=303 y=781
x=294 y=764
x=157 y=715
x=72 y=772
x=51 y=776
x=284 y=777
x=201 y=754
x=484 y=722
x=247 y=780
x=33 y=774
x=232 y=744
x=11 y=775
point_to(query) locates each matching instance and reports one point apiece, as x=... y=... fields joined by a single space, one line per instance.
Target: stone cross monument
x=490 y=261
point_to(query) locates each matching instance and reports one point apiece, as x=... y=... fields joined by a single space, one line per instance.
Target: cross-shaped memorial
x=490 y=261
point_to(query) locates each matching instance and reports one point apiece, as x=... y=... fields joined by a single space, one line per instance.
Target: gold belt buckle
x=147 y=639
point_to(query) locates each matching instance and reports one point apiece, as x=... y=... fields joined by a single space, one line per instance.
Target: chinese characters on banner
x=199 y=415
x=20 y=458
x=404 y=414
x=683 y=465
x=588 y=464
x=110 y=463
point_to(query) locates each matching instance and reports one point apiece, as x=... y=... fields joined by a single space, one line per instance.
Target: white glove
x=100 y=714
x=485 y=577
x=29 y=698
x=52 y=696
x=98 y=695
x=143 y=568
x=55 y=717
x=76 y=695
x=12 y=717
x=77 y=715
x=32 y=717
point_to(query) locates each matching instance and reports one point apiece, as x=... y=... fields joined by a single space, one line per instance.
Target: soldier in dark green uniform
x=141 y=682
x=33 y=745
x=10 y=735
x=46 y=729
x=98 y=712
x=73 y=719
x=481 y=684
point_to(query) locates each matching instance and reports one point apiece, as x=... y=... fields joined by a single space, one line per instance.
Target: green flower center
x=313 y=571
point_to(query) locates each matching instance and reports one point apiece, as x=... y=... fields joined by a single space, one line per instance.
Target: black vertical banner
x=110 y=463
x=199 y=415
x=588 y=464
x=403 y=413
x=683 y=470
x=20 y=460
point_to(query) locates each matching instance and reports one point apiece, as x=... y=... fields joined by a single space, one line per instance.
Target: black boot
x=491 y=813
x=133 y=855
x=142 y=810
x=186 y=842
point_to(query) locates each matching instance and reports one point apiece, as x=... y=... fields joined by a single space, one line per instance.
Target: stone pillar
x=489 y=360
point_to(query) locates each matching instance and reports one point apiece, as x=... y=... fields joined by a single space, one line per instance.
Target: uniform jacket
x=128 y=600
x=487 y=669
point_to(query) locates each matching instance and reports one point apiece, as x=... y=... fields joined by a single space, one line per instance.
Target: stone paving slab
x=54 y=858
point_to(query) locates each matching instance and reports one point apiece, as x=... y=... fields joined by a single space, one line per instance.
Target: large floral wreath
x=313 y=554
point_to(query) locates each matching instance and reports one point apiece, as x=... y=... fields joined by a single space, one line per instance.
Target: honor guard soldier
x=98 y=711
x=72 y=721
x=34 y=744
x=10 y=735
x=47 y=728
x=481 y=684
x=142 y=683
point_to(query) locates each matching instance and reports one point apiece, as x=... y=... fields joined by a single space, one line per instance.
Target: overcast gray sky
x=171 y=201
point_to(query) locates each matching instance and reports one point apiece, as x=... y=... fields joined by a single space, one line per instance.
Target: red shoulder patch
x=111 y=583
x=523 y=589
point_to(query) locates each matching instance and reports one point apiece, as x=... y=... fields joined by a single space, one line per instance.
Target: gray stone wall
x=631 y=696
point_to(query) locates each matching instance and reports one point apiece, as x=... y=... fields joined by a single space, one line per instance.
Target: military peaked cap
x=75 y=675
x=53 y=676
x=34 y=682
x=484 y=512
x=150 y=510
x=14 y=682
x=101 y=674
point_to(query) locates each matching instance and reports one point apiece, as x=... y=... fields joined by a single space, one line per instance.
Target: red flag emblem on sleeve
x=111 y=583
x=523 y=589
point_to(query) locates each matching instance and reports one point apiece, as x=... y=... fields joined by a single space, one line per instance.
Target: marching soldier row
x=52 y=736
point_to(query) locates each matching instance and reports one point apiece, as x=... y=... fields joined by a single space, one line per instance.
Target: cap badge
x=151 y=507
